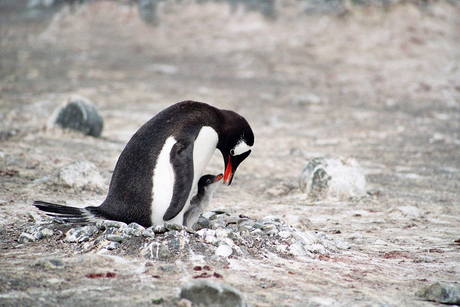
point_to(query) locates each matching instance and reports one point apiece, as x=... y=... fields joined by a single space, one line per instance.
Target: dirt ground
x=379 y=85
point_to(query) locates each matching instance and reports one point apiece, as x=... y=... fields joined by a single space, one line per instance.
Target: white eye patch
x=240 y=148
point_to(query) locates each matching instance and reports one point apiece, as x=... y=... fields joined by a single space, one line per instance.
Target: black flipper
x=181 y=159
x=66 y=213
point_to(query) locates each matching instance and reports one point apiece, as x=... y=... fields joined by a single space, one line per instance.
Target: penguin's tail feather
x=66 y=213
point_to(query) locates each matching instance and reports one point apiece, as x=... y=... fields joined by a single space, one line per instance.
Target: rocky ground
x=377 y=84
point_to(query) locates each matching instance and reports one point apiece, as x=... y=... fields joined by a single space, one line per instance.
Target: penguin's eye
x=232 y=152
x=209 y=181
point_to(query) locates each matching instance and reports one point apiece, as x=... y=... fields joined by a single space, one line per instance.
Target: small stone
x=210 y=239
x=423 y=258
x=441 y=292
x=136 y=226
x=112 y=245
x=149 y=232
x=49 y=263
x=174 y=243
x=258 y=226
x=80 y=234
x=223 y=251
x=222 y=233
x=284 y=234
x=115 y=238
x=134 y=229
x=26 y=238
x=171 y=226
x=245 y=223
x=104 y=224
x=209 y=293
x=159 y=229
x=157 y=301
x=270 y=219
x=410 y=211
x=202 y=223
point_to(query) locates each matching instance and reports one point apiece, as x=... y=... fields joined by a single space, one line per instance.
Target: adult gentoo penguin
x=206 y=187
x=158 y=170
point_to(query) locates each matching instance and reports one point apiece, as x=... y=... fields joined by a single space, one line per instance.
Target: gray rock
x=26 y=238
x=80 y=234
x=333 y=178
x=156 y=251
x=78 y=114
x=112 y=245
x=115 y=238
x=159 y=229
x=149 y=232
x=49 y=263
x=170 y=226
x=82 y=175
x=209 y=293
x=104 y=224
x=134 y=229
x=40 y=232
x=441 y=292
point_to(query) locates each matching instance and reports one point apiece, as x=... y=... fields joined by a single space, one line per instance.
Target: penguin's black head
x=235 y=143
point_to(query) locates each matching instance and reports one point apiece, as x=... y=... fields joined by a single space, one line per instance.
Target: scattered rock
x=245 y=237
x=79 y=114
x=209 y=293
x=26 y=238
x=40 y=232
x=410 y=211
x=441 y=292
x=333 y=178
x=224 y=251
x=49 y=263
x=82 y=175
x=80 y=234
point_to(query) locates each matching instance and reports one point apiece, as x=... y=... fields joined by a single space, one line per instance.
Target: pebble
x=40 y=232
x=104 y=224
x=115 y=238
x=223 y=251
x=149 y=232
x=112 y=245
x=80 y=234
x=441 y=292
x=49 y=263
x=210 y=293
x=26 y=238
x=170 y=226
x=241 y=238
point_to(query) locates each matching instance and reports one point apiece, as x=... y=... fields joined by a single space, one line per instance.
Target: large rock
x=81 y=175
x=78 y=114
x=441 y=292
x=333 y=178
x=209 y=293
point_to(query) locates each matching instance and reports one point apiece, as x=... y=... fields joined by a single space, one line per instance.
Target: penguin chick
x=206 y=187
x=159 y=169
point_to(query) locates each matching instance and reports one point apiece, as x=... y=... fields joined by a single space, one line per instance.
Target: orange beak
x=228 y=172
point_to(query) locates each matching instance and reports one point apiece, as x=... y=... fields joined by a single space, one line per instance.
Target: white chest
x=164 y=177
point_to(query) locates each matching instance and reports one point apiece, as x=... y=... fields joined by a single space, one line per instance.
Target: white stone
x=333 y=178
x=82 y=175
x=223 y=251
